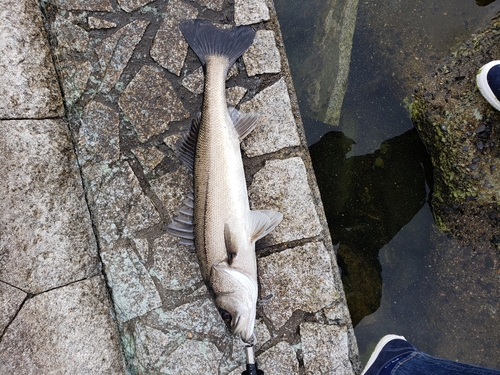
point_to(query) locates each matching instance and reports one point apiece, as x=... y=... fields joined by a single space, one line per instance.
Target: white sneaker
x=488 y=82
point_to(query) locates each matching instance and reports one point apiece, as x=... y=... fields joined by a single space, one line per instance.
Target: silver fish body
x=224 y=228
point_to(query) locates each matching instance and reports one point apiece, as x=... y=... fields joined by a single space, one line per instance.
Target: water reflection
x=368 y=199
x=373 y=175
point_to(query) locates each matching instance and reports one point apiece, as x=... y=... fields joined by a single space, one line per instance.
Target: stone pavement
x=90 y=283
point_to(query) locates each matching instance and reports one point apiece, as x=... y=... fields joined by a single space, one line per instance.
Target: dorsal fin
x=182 y=225
x=244 y=123
x=263 y=222
x=186 y=146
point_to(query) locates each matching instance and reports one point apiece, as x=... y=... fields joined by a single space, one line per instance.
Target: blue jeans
x=418 y=363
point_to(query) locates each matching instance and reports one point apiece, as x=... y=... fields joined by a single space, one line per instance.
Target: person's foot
x=389 y=351
x=488 y=81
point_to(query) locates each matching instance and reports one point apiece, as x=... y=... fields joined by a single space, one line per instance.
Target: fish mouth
x=244 y=327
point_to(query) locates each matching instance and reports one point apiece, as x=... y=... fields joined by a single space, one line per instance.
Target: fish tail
x=206 y=39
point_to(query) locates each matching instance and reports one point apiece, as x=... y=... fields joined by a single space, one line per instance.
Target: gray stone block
x=320 y=355
x=172 y=189
x=99 y=23
x=68 y=330
x=98 y=137
x=298 y=278
x=169 y=46
x=263 y=55
x=120 y=208
x=276 y=127
x=134 y=292
x=149 y=157
x=197 y=318
x=92 y=5
x=279 y=360
x=282 y=186
x=247 y=12
x=69 y=36
x=47 y=239
x=150 y=103
x=174 y=266
x=74 y=77
x=10 y=300
x=204 y=356
x=131 y=5
x=234 y=95
x=212 y=4
x=115 y=51
x=28 y=83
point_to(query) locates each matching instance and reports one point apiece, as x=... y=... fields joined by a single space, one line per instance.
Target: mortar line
x=28 y=296
x=31 y=118
x=13 y=286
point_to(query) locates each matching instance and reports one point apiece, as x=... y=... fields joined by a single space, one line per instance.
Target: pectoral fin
x=231 y=247
x=244 y=123
x=263 y=222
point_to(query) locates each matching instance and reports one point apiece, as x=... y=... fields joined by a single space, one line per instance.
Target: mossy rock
x=461 y=132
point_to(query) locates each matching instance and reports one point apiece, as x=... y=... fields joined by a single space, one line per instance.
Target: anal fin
x=182 y=225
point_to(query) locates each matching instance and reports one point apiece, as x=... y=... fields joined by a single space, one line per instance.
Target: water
x=400 y=274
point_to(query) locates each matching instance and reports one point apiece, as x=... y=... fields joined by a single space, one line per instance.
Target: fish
x=216 y=217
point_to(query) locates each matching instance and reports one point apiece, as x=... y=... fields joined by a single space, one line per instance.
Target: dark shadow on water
x=367 y=200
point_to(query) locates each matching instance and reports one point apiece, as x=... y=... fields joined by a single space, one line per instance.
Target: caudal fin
x=206 y=39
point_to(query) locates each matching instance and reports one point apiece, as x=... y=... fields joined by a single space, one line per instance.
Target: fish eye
x=226 y=316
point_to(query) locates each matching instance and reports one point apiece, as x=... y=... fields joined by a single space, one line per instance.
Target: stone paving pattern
x=87 y=198
x=55 y=311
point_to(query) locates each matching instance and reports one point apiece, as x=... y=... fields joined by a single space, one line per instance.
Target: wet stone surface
x=205 y=355
x=99 y=134
x=120 y=206
x=174 y=266
x=131 y=5
x=98 y=23
x=132 y=86
x=134 y=292
x=92 y=5
x=149 y=157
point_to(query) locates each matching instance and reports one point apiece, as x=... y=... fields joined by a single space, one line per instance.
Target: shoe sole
x=383 y=341
x=484 y=87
